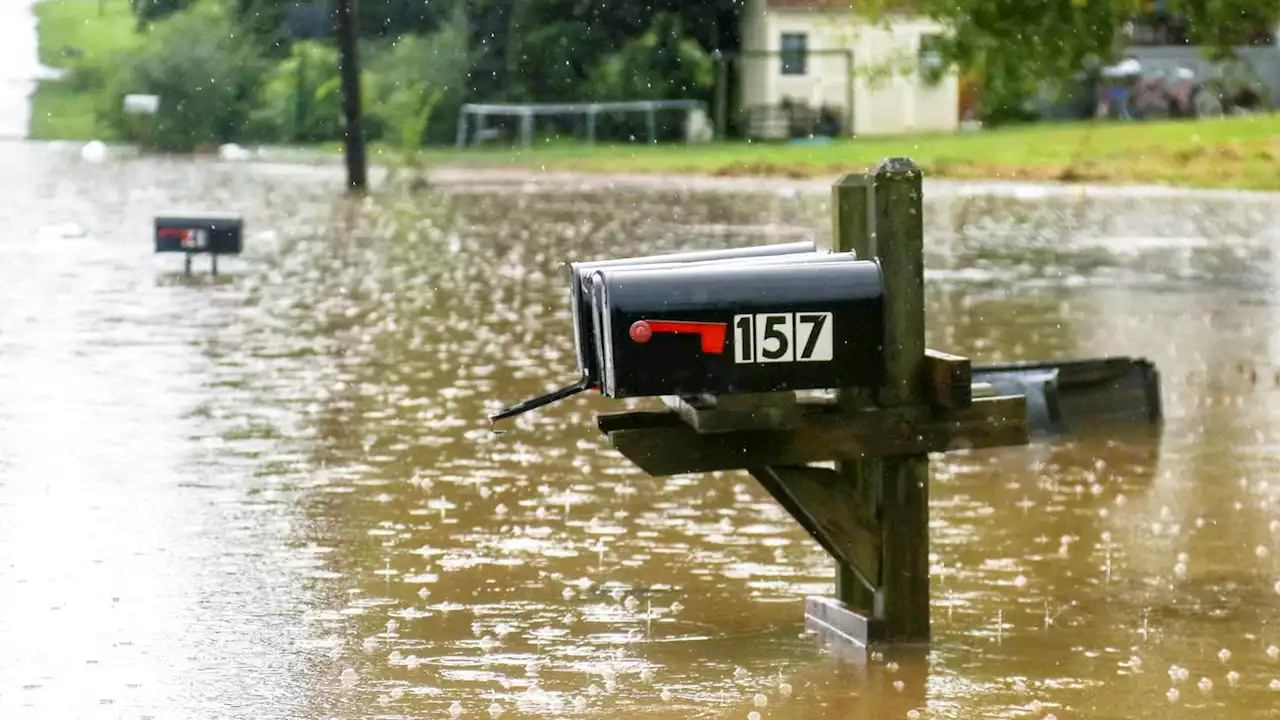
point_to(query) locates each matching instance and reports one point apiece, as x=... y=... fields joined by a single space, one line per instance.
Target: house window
x=929 y=61
x=795 y=53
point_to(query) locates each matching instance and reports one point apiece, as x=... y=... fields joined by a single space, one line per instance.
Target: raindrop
x=568 y=593
x=892 y=667
x=348 y=676
x=495 y=710
x=455 y=709
x=666 y=695
x=877 y=656
x=1274 y=685
x=1035 y=707
x=392 y=625
x=1183 y=673
x=739 y=673
x=1233 y=678
x=1224 y=655
x=1205 y=685
x=631 y=604
x=1180 y=571
x=760 y=700
x=487 y=643
x=753 y=715
x=899 y=685
x=369 y=644
x=676 y=607
x=568 y=619
x=423 y=593
x=646 y=675
x=1020 y=581
x=1173 y=694
x=580 y=703
x=1273 y=652
x=501 y=510
x=784 y=689
x=1261 y=551
x=1135 y=662
x=913 y=715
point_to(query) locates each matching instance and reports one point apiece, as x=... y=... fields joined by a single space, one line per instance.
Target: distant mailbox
x=141 y=104
x=726 y=328
x=580 y=294
x=216 y=234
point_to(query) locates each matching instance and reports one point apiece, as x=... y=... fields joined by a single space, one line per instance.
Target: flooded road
x=274 y=494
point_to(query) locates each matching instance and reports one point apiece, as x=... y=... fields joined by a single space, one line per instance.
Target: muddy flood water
x=274 y=494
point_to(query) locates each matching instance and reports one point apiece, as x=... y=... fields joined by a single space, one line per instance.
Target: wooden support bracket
x=662 y=444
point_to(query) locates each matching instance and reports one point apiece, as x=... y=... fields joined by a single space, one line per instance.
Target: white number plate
x=782 y=337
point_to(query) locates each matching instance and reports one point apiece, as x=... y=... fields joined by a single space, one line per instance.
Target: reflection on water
x=276 y=494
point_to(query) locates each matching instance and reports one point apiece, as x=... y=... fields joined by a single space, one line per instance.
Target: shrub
x=419 y=83
x=204 y=73
x=300 y=98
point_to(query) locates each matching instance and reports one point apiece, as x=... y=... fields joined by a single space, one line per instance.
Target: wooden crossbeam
x=662 y=444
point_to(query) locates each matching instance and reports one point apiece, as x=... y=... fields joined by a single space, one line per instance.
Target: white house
x=824 y=53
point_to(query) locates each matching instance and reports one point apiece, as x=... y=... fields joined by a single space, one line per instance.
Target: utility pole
x=349 y=69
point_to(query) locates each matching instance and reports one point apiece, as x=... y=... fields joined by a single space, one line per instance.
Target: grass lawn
x=1238 y=152
x=76 y=32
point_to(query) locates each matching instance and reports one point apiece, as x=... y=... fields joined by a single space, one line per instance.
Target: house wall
x=889 y=96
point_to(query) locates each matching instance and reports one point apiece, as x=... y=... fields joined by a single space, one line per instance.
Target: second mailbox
x=726 y=329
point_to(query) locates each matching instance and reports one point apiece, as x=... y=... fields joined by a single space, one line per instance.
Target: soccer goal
x=473 y=118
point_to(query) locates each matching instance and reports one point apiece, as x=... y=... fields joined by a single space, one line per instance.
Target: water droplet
x=455 y=709
x=1135 y=662
x=501 y=510
x=739 y=673
x=899 y=685
x=1274 y=685
x=913 y=714
x=348 y=676
x=1173 y=694
x=1233 y=678
x=568 y=593
x=369 y=644
x=1273 y=652
x=877 y=656
x=753 y=715
x=646 y=675
x=392 y=625
x=760 y=700
x=1019 y=686
x=1205 y=685
x=784 y=689
x=1035 y=706
x=676 y=607
x=580 y=703
x=1020 y=581
x=631 y=604
x=1183 y=673
x=495 y=710
x=1224 y=655
x=1180 y=571
x=666 y=695
x=423 y=593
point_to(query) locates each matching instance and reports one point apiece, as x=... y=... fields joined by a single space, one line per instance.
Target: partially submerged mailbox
x=210 y=233
x=747 y=320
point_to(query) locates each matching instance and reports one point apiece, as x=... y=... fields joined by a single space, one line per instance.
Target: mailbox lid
x=580 y=293
x=218 y=233
x=726 y=329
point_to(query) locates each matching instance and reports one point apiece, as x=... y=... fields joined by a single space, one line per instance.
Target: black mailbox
x=580 y=293
x=216 y=234
x=725 y=328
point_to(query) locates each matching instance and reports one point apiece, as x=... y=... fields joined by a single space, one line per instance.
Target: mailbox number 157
x=782 y=337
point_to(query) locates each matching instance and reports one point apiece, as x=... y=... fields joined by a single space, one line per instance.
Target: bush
x=204 y=73
x=300 y=98
x=419 y=83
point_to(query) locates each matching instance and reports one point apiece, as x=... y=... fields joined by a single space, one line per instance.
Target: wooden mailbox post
x=870 y=511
